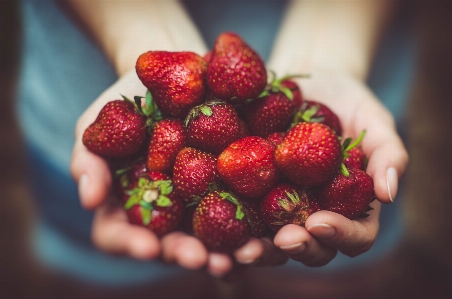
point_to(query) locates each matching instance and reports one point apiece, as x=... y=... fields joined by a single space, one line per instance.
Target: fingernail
x=294 y=248
x=391 y=182
x=322 y=230
x=83 y=183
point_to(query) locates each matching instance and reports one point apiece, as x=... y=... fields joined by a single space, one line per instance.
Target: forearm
x=333 y=36
x=126 y=29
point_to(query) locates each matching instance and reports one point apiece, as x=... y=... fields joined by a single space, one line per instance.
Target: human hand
x=111 y=230
x=326 y=232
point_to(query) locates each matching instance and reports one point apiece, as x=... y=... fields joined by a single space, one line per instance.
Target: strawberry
x=195 y=173
x=167 y=139
x=118 y=131
x=355 y=159
x=257 y=226
x=297 y=96
x=268 y=114
x=235 y=72
x=349 y=195
x=312 y=111
x=125 y=177
x=176 y=80
x=276 y=137
x=247 y=166
x=212 y=126
x=220 y=222
x=243 y=129
x=287 y=204
x=310 y=154
x=153 y=204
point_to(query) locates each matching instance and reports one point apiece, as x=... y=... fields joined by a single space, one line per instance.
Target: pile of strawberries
x=218 y=149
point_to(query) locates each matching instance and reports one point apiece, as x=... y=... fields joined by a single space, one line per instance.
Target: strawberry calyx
x=347 y=145
x=148 y=195
x=240 y=213
x=149 y=109
x=305 y=114
x=276 y=85
x=295 y=210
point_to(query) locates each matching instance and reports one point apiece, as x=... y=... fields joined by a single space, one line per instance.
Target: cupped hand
x=326 y=232
x=111 y=231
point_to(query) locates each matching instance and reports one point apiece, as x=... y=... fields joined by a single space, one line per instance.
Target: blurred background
x=420 y=267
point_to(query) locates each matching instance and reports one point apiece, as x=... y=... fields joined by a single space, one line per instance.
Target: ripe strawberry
x=167 y=139
x=247 y=167
x=288 y=204
x=297 y=96
x=235 y=72
x=212 y=126
x=268 y=114
x=312 y=111
x=349 y=196
x=243 y=129
x=310 y=154
x=126 y=176
x=257 y=226
x=153 y=204
x=276 y=137
x=355 y=159
x=176 y=80
x=195 y=172
x=118 y=131
x=220 y=222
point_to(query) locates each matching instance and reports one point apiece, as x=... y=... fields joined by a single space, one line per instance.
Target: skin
x=338 y=70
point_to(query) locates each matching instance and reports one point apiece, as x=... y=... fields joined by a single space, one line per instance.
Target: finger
x=301 y=246
x=351 y=237
x=387 y=155
x=219 y=264
x=92 y=175
x=111 y=232
x=250 y=252
x=184 y=250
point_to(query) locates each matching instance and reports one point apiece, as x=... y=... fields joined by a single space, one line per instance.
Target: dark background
x=421 y=267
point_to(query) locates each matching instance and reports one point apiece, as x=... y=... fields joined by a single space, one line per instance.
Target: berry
x=220 y=222
x=247 y=167
x=212 y=126
x=287 y=204
x=118 y=131
x=310 y=154
x=167 y=139
x=312 y=111
x=176 y=80
x=235 y=72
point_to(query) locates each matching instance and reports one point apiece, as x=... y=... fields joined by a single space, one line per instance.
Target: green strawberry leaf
x=239 y=213
x=346 y=144
x=146 y=205
x=163 y=201
x=293 y=197
x=146 y=216
x=356 y=142
x=308 y=114
x=287 y=92
x=206 y=110
x=133 y=200
x=344 y=170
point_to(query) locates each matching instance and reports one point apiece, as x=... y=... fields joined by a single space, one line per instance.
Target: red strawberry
x=220 y=222
x=268 y=114
x=195 y=172
x=244 y=131
x=167 y=139
x=235 y=72
x=153 y=204
x=355 y=159
x=287 y=204
x=247 y=166
x=297 y=96
x=349 y=196
x=125 y=177
x=310 y=154
x=312 y=111
x=257 y=226
x=118 y=131
x=176 y=80
x=212 y=126
x=276 y=137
